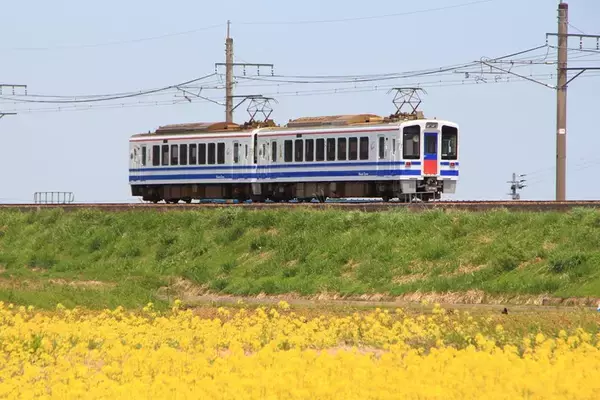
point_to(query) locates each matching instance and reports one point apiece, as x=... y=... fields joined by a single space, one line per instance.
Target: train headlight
x=431 y=125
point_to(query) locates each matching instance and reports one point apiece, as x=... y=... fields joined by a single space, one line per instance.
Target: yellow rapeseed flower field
x=275 y=353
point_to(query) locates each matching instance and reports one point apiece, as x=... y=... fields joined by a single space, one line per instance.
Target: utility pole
x=516 y=185
x=562 y=83
x=561 y=103
x=229 y=66
x=229 y=75
x=561 y=94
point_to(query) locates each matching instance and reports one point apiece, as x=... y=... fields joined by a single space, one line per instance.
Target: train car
x=341 y=156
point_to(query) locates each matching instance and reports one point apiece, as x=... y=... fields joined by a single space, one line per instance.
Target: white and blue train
x=346 y=156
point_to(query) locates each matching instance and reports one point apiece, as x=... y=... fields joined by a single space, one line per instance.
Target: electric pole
x=229 y=66
x=563 y=80
x=561 y=94
x=516 y=185
x=561 y=103
x=229 y=75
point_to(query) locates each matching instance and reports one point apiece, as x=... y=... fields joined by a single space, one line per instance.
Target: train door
x=430 y=156
x=138 y=158
x=272 y=158
x=393 y=153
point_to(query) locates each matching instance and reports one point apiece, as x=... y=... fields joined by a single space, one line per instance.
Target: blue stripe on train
x=449 y=173
x=447 y=163
x=275 y=175
x=275 y=166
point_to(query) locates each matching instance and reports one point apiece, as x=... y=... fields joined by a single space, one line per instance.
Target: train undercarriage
x=423 y=190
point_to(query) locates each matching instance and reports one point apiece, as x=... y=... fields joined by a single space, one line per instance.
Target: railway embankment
x=101 y=259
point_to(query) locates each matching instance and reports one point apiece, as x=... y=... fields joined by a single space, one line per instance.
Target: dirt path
x=217 y=300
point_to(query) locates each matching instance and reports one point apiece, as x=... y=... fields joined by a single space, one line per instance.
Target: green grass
x=306 y=252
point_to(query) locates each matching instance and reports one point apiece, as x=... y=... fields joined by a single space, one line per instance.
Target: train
x=309 y=159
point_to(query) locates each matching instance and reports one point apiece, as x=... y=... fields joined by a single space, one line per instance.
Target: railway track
x=535 y=206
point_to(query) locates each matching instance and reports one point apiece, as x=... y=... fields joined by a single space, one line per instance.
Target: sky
x=68 y=47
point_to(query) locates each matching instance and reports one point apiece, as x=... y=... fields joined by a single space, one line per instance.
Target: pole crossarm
x=579 y=35
x=245 y=65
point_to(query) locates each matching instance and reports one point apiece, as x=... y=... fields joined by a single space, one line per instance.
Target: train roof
x=334 y=121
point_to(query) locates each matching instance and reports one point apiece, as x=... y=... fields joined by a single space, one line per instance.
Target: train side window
x=193 y=154
x=165 y=154
x=155 y=155
x=211 y=153
x=320 y=150
x=287 y=150
x=236 y=152
x=353 y=148
x=364 y=148
x=202 y=153
x=381 y=147
x=342 y=149
x=394 y=146
x=174 y=155
x=299 y=150
x=330 y=149
x=220 y=153
x=144 y=155
x=411 y=142
x=273 y=151
x=183 y=153
x=246 y=151
x=449 y=143
x=309 y=150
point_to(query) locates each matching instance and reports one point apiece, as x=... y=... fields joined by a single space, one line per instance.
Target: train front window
x=430 y=144
x=449 y=143
x=411 y=142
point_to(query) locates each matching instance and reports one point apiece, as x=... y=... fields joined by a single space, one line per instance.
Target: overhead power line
x=114 y=43
x=371 y=17
x=125 y=96
x=192 y=31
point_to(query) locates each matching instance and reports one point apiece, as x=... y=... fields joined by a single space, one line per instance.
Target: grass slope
x=99 y=259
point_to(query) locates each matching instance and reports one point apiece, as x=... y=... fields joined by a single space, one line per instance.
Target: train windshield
x=449 y=143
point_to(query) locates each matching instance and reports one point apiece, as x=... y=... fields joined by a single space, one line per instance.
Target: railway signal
x=516 y=185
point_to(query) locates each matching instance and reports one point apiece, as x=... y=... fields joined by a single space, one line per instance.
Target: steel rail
x=533 y=206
